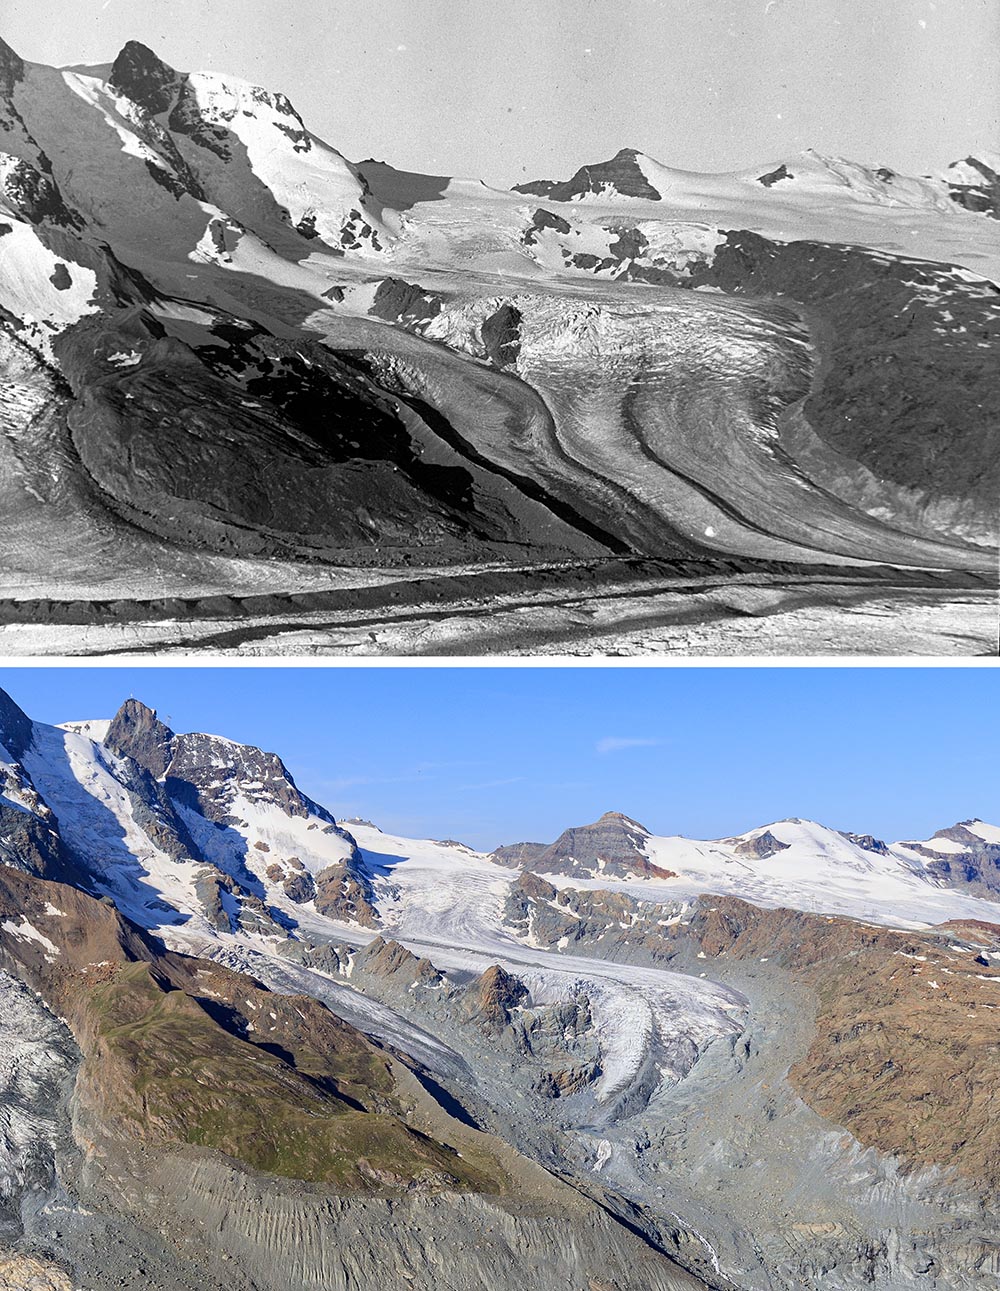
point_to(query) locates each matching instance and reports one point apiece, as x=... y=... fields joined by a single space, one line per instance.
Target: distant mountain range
x=974 y=183
x=221 y=337
x=303 y=1034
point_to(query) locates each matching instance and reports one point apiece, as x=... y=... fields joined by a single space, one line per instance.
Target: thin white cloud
x=615 y=743
x=492 y=784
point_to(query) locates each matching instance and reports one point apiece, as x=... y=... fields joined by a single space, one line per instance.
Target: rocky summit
x=235 y=360
x=250 y=1045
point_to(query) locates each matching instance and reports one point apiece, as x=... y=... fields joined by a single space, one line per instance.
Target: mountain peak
x=622 y=176
x=619 y=818
x=137 y=732
x=144 y=77
x=15 y=727
x=11 y=67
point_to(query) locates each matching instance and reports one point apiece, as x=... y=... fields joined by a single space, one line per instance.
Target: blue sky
x=534 y=88
x=494 y=755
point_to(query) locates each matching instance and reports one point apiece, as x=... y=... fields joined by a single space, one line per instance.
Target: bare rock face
x=981 y=193
x=492 y=996
x=761 y=846
x=137 y=732
x=390 y=959
x=869 y=843
x=15 y=727
x=143 y=77
x=208 y=773
x=976 y=868
x=345 y=892
x=518 y=855
x=774 y=176
x=622 y=173
x=501 y=334
x=403 y=302
x=29 y=832
x=26 y=1273
x=11 y=69
x=297 y=882
x=612 y=845
x=29 y=840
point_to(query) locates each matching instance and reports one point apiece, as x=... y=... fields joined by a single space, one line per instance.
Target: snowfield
x=447 y=902
x=818 y=870
x=563 y=345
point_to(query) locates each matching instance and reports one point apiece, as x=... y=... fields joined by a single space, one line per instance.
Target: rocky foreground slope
x=253 y=1046
x=220 y=337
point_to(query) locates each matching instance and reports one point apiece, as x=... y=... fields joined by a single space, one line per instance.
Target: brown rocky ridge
x=904 y=1055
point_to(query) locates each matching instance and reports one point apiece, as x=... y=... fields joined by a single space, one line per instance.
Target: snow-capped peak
x=811 y=175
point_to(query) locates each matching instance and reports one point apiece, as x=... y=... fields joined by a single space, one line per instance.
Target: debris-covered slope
x=245 y=362
x=280 y=1023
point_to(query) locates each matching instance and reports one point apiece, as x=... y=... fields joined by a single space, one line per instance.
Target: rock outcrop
x=344 y=892
x=493 y=996
x=621 y=176
x=612 y=845
x=760 y=845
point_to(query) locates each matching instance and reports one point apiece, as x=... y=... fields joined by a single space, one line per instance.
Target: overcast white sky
x=524 y=89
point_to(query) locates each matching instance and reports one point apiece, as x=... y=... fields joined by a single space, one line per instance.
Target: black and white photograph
x=572 y=327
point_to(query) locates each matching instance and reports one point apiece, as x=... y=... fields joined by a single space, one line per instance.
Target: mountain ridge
x=228 y=344
x=555 y=1029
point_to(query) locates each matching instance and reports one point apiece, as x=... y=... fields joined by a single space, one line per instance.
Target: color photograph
x=528 y=978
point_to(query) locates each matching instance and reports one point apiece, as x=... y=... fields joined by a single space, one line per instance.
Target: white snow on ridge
x=447 y=903
x=283 y=837
x=988 y=833
x=295 y=170
x=93 y=730
x=25 y=931
x=76 y=777
x=818 y=870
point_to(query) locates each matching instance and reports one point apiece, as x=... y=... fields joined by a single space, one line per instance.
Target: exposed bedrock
x=906 y=401
x=622 y=174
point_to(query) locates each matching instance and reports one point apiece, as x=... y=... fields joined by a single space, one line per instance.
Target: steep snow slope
x=39 y=287
x=105 y=821
x=256 y=159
